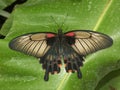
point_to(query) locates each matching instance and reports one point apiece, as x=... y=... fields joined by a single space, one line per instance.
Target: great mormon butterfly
x=71 y=46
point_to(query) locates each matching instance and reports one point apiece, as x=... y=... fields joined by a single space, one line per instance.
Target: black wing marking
x=72 y=60
x=51 y=61
x=31 y=44
x=87 y=42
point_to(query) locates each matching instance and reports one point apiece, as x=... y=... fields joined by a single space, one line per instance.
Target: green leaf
x=19 y=71
x=6 y=27
x=5 y=3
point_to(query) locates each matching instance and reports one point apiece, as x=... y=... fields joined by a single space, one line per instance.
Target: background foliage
x=101 y=71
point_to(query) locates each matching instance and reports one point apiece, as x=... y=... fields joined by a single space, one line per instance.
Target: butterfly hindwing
x=86 y=42
x=72 y=60
x=51 y=61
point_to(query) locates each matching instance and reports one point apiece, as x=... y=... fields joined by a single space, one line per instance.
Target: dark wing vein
x=28 y=48
x=39 y=48
x=83 y=49
x=33 y=50
x=18 y=45
x=76 y=48
x=99 y=42
x=88 y=47
x=22 y=46
x=92 y=44
x=45 y=49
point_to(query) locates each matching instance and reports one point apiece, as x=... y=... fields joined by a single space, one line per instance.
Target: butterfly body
x=51 y=48
x=61 y=48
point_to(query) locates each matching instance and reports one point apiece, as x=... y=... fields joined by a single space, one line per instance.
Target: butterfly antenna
x=55 y=21
x=60 y=26
x=63 y=21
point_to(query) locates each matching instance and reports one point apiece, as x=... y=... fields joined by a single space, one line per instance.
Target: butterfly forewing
x=87 y=42
x=31 y=44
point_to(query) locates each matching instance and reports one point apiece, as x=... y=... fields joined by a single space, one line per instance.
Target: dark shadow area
x=107 y=78
x=9 y=9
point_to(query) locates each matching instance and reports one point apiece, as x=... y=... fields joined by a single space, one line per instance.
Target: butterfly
x=52 y=48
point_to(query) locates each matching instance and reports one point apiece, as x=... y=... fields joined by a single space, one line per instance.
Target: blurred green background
x=101 y=70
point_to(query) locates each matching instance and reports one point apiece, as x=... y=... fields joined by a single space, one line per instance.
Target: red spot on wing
x=70 y=34
x=50 y=35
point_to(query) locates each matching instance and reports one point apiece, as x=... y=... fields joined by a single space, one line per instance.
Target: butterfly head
x=60 y=33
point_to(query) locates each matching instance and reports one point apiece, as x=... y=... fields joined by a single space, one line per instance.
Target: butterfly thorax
x=60 y=34
x=60 y=40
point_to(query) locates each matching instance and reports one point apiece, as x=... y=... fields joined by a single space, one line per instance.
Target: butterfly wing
x=72 y=60
x=79 y=44
x=40 y=45
x=34 y=44
x=86 y=42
